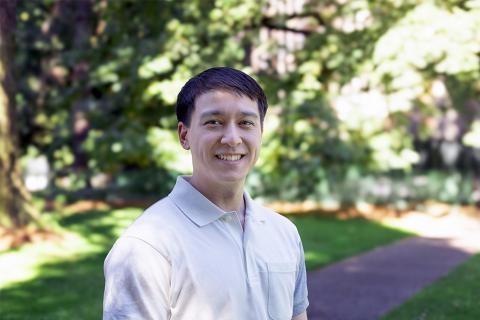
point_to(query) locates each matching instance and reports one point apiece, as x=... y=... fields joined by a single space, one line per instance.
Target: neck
x=227 y=196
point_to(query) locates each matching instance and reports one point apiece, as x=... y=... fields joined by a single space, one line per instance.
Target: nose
x=231 y=136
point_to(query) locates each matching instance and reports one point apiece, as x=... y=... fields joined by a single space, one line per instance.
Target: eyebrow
x=207 y=114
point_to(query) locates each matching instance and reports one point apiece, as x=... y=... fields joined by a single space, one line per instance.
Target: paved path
x=367 y=286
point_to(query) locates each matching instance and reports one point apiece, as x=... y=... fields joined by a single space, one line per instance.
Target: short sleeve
x=137 y=281
x=300 y=298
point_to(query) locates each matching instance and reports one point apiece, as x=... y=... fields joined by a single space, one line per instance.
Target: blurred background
x=373 y=105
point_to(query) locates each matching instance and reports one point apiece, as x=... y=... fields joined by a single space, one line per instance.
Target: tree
x=15 y=201
x=344 y=81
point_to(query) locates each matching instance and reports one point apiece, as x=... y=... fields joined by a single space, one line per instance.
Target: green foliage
x=302 y=151
x=154 y=182
x=472 y=138
x=131 y=73
x=98 y=96
x=396 y=190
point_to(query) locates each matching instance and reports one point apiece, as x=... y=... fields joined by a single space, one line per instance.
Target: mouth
x=229 y=157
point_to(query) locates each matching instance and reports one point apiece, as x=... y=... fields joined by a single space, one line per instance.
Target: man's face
x=224 y=137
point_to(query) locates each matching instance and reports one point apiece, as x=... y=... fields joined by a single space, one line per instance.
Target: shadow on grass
x=73 y=288
x=69 y=288
x=100 y=227
x=64 y=290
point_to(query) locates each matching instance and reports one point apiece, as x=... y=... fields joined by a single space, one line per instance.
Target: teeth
x=229 y=157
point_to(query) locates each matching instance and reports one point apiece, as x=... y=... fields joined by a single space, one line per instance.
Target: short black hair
x=218 y=78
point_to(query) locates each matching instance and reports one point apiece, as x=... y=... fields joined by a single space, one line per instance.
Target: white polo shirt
x=185 y=258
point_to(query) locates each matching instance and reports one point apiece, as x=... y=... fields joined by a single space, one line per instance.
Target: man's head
x=219 y=79
x=220 y=114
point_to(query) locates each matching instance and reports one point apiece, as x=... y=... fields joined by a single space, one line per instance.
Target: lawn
x=455 y=296
x=64 y=280
x=329 y=239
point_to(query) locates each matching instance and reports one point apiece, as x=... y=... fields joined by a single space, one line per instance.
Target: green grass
x=328 y=239
x=65 y=280
x=456 y=296
x=62 y=280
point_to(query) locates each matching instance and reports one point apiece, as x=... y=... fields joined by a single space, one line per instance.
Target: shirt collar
x=202 y=211
x=194 y=204
x=253 y=211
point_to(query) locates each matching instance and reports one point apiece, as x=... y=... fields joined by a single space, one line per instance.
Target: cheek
x=206 y=145
x=254 y=143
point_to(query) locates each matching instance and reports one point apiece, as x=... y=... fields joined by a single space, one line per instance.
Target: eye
x=247 y=123
x=212 y=122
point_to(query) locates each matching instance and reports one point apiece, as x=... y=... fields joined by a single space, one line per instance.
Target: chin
x=231 y=178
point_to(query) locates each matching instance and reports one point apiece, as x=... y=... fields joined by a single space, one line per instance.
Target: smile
x=229 y=157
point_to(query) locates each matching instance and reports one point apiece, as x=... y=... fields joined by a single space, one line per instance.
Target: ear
x=182 y=130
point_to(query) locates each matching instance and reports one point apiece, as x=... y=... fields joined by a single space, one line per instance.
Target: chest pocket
x=281 y=287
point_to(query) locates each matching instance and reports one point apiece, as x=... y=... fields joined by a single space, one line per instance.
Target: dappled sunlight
x=83 y=234
x=23 y=264
x=372 y=134
x=100 y=227
x=459 y=226
x=77 y=283
x=438 y=220
x=429 y=219
x=316 y=258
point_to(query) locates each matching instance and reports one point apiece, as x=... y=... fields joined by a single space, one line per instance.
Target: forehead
x=224 y=101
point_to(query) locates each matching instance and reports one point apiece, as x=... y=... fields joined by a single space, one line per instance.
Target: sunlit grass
x=64 y=280
x=455 y=296
x=83 y=234
x=23 y=264
x=328 y=239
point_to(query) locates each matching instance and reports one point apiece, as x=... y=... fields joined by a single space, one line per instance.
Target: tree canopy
x=353 y=86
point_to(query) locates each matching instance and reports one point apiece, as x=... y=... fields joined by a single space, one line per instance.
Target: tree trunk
x=16 y=208
x=83 y=29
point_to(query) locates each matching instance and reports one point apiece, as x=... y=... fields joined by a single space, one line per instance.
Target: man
x=207 y=251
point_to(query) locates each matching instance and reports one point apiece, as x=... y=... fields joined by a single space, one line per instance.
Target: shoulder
x=159 y=217
x=136 y=275
x=151 y=231
x=128 y=251
x=160 y=211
